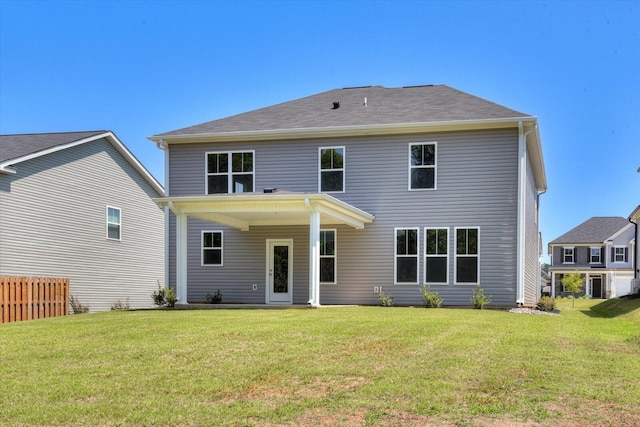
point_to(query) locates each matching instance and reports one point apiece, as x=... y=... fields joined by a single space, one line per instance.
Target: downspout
x=522 y=180
x=636 y=270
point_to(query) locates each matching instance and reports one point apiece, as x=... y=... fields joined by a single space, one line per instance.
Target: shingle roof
x=19 y=145
x=406 y=105
x=593 y=230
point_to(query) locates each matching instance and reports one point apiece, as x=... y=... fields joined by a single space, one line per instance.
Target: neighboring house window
x=406 y=255
x=328 y=256
x=436 y=252
x=595 y=255
x=568 y=256
x=332 y=169
x=422 y=166
x=619 y=254
x=467 y=265
x=212 y=248
x=230 y=172
x=113 y=223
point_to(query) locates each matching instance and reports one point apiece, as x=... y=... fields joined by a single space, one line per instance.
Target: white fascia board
x=341 y=131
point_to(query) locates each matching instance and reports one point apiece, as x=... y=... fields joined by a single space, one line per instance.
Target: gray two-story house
x=79 y=205
x=601 y=249
x=332 y=198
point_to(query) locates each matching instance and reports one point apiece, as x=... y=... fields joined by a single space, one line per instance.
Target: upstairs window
x=328 y=256
x=406 y=254
x=595 y=255
x=568 y=255
x=211 y=248
x=436 y=250
x=332 y=170
x=230 y=172
x=113 y=223
x=619 y=254
x=422 y=166
x=467 y=255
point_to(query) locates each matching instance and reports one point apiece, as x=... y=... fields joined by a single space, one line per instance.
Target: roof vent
x=270 y=190
x=336 y=105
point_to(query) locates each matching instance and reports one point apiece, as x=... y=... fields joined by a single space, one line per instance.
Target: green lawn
x=332 y=366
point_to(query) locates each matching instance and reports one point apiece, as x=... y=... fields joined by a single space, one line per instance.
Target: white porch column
x=181 y=258
x=314 y=258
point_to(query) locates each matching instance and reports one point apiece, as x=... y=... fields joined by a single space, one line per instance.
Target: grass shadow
x=614 y=307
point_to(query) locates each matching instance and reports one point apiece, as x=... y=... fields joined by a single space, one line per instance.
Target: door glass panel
x=280 y=269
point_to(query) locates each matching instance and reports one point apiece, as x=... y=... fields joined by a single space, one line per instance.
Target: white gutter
x=333 y=131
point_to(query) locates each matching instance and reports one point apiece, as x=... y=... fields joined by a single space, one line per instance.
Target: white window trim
x=396 y=256
x=573 y=254
x=343 y=169
x=119 y=224
x=230 y=173
x=456 y=256
x=436 y=256
x=434 y=167
x=334 y=256
x=599 y=255
x=615 y=256
x=202 y=233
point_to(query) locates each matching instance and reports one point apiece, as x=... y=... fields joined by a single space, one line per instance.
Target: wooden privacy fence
x=26 y=298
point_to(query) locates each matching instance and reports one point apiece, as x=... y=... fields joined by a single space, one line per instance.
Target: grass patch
x=335 y=366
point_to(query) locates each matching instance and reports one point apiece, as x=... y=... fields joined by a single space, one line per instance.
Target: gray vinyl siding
x=476 y=187
x=53 y=223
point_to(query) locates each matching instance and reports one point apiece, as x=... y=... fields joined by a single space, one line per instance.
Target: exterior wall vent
x=270 y=190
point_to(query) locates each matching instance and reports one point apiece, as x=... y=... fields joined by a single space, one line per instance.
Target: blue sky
x=144 y=67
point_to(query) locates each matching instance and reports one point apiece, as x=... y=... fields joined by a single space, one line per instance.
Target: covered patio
x=270 y=208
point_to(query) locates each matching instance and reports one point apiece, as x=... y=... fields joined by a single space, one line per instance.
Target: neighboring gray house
x=79 y=205
x=601 y=250
x=331 y=198
x=634 y=218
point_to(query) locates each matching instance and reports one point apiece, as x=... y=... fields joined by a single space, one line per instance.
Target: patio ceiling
x=245 y=210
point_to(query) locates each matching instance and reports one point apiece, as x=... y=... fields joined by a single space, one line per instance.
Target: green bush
x=215 y=298
x=479 y=299
x=385 y=299
x=164 y=297
x=431 y=299
x=546 y=304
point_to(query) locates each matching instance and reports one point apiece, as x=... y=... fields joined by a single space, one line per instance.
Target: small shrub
x=431 y=299
x=385 y=299
x=215 y=298
x=170 y=297
x=546 y=304
x=76 y=306
x=119 y=305
x=164 y=297
x=479 y=299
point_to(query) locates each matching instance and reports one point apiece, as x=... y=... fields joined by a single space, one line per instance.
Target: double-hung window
x=211 y=248
x=328 y=256
x=568 y=255
x=230 y=172
x=332 y=169
x=467 y=254
x=619 y=254
x=436 y=252
x=406 y=255
x=595 y=255
x=113 y=223
x=422 y=166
